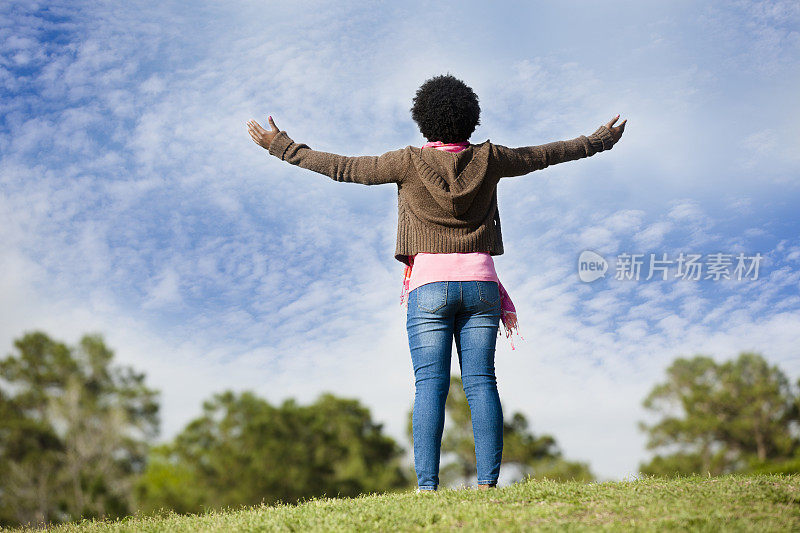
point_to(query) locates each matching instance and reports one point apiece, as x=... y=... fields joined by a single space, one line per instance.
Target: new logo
x=591 y=266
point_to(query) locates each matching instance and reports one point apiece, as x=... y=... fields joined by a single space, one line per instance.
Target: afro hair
x=446 y=109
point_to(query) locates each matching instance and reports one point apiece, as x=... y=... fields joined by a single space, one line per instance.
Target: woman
x=448 y=230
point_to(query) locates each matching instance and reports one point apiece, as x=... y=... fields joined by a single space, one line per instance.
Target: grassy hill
x=727 y=503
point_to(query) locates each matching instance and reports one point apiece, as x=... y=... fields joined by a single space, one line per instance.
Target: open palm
x=261 y=136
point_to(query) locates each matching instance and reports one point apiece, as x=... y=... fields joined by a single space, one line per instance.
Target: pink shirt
x=451 y=267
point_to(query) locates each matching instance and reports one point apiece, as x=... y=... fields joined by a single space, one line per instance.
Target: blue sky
x=133 y=202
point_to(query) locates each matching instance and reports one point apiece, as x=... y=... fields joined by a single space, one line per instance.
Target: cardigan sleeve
x=366 y=170
x=519 y=161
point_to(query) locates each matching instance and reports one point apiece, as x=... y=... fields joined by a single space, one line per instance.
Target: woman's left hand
x=260 y=136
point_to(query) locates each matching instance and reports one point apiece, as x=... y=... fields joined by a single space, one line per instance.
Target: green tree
x=74 y=432
x=721 y=418
x=538 y=456
x=244 y=451
x=532 y=456
x=168 y=483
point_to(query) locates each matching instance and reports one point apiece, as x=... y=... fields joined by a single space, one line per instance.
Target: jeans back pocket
x=489 y=292
x=432 y=296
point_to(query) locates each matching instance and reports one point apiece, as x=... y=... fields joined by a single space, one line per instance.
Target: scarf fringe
x=509 y=325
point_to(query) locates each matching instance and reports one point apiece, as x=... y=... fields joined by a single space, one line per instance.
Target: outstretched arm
x=520 y=161
x=367 y=170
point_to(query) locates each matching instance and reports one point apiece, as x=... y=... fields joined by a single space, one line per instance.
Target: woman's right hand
x=260 y=136
x=616 y=131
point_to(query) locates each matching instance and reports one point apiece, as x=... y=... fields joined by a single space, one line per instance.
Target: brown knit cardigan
x=446 y=202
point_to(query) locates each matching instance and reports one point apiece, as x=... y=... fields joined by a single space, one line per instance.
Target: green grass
x=727 y=503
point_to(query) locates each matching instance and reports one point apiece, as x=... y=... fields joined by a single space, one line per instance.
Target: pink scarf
x=507 y=309
x=449 y=147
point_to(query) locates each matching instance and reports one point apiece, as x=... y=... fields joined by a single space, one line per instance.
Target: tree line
x=78 y=438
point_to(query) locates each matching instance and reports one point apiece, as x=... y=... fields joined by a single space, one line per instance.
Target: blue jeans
x=470 y=312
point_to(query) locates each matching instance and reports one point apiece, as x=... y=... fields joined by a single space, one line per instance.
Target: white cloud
x=166 y=290
x=652 y=235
